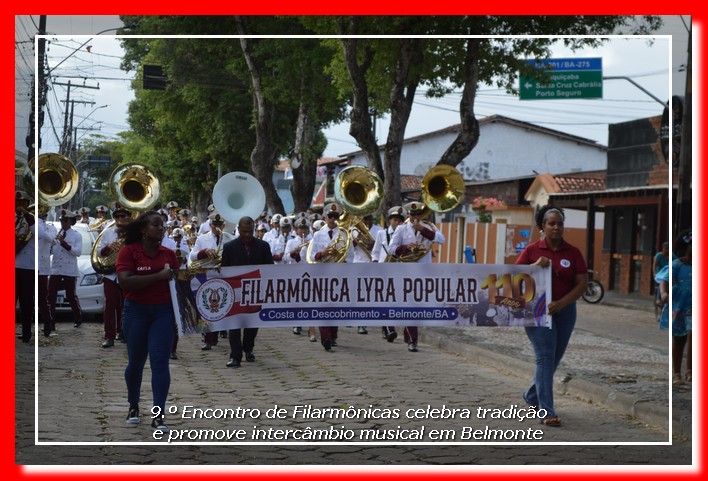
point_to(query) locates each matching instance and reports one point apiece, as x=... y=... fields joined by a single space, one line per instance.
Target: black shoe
x=250 y=357
x=173 y=355
x=223 y=334
x=413 y=346
x=327 y=344
x=334 y=342
x=233 y=363
x=362 y=330
x=47 y=331
x=133 y=415
x=297 y=330
x=77 y=323
x=392 y=335
x=158 y=424
x=107 y=343
x=119 y=337
x=206 y=346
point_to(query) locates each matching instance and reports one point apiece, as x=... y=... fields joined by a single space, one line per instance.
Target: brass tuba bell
x=57 y=179
x=359 y=191
x=135 y=187
x=442 y=189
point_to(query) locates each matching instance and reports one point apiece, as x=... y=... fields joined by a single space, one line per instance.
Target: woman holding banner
x=144 y=269
x=569 y=277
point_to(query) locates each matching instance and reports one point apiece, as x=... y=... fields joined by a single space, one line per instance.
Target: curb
x=643 y=410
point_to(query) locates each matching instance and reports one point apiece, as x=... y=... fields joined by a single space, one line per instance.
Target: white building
x=507 y=148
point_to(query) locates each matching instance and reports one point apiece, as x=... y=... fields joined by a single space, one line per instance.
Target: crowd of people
x=142 y=252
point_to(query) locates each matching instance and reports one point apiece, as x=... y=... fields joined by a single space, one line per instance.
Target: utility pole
x=682 y=220
x=41 y=89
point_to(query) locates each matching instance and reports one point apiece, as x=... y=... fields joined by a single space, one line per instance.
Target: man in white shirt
x=324 y=245
x=65 y=254
x=46 y=233
x=396 y=217
x=207 y=249
x=277 y=244
x=110 y=244
x=24 y=262
x=414 y=236
x=362 y=244
x=204 y=226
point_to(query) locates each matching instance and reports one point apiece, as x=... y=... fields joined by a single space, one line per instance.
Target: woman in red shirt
x=569 y=278
x=144 y=269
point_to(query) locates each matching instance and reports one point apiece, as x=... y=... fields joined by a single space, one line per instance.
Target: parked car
x=89 y=285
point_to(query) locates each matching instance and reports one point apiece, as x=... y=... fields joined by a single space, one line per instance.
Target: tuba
x=137 y=188
x=359 y=191
x=235 y=195
x=442 y=189
x=57 y=182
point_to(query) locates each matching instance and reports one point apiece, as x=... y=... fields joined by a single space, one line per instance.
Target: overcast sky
x=97 y=58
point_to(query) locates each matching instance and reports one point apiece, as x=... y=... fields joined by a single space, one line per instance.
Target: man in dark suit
x=245 y=250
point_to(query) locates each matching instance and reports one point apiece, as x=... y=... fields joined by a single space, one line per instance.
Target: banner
x=370 y=294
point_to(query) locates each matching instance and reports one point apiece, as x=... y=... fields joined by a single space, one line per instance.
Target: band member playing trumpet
x=277 y=246
x=207 y=251
x=111 y=242
x=415 y=236
x=46 y=233
x=24 y=262
x=65 y=254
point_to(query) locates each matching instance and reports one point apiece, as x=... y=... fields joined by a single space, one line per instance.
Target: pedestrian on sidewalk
x=569 y=279
x=681 y=305
x=144 y=268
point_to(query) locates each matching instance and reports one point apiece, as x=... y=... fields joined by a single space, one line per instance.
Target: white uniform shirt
x=204 y=227
x=359 y=253
x=292 y=245
x=321 y=240
x=65 y=262
x=406 y=234
x=182 y=246
x=204 y=241
x=381 y=249
x=168 y=242
x=46 y=233
x=25 y=258
x=109 y=236
x=271 y=235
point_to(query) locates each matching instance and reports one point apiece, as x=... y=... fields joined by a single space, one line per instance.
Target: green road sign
x=567 y=79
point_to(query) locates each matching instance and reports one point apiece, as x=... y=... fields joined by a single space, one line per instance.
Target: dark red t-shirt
x=133 y=258
x=566 y=262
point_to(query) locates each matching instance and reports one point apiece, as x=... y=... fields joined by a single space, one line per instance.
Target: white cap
x=318 y=224
x=177 y=232
x=285 y=222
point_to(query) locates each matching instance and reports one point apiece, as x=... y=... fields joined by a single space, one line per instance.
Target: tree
x=284 y=99
x=388 y=71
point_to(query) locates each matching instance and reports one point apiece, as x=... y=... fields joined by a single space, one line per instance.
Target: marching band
x=344 y=233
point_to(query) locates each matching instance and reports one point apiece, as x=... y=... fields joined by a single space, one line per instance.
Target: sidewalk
x=616 y=358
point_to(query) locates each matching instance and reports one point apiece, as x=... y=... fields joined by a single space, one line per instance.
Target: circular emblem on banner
x=214 y=299
x=565 y=263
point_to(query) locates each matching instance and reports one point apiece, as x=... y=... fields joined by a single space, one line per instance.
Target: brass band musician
x=415 y=235
x=111 y=242
x=24 y=262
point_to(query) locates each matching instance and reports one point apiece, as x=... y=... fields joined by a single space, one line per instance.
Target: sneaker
x=334 y=342
x=297 y=330
x=158 y=424
x=173 y=355
x=206 y=346
x=133 y=415
x=413 y=346
x=362 y=330
x=392 y=335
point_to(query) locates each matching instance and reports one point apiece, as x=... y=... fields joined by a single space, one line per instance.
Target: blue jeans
x=549 y=346
x=148 y=329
